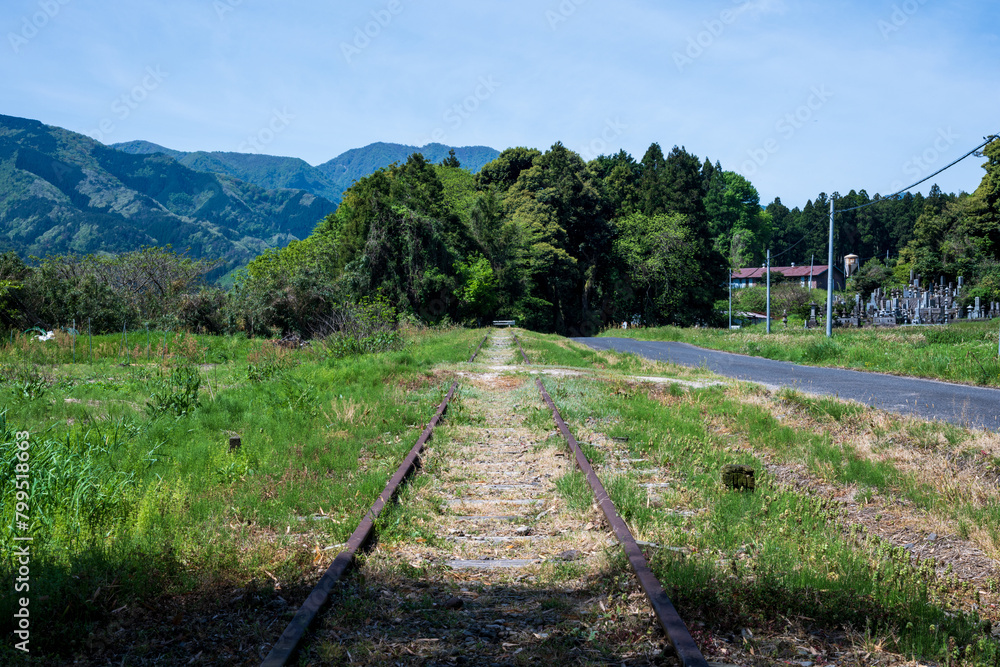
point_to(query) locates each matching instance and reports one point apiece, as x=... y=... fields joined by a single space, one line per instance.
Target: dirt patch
x=494 y=381
x=409 y=383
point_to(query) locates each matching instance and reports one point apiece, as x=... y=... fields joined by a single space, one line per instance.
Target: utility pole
x=811 y=262
x=768 y=290
x=829 y=280
x=730 y=298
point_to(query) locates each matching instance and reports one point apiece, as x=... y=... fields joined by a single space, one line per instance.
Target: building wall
x=818 y=281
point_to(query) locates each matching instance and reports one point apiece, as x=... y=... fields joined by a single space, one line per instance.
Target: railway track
x=498 y=567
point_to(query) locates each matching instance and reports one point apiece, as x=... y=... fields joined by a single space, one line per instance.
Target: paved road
x=960 y=404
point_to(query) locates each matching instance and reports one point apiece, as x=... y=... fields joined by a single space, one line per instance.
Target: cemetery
x=914 y=305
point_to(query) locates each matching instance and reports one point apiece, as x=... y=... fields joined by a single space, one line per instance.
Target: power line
x=896 y=194
x=788 y=249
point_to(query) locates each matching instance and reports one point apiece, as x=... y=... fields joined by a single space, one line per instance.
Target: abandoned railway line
x=495 y=566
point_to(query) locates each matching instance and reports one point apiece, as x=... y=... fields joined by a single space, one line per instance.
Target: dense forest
x=564 y=245
x=560 y=244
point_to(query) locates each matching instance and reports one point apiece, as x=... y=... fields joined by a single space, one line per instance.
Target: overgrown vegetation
x=134 y=494
x=545 y=238
x=793 y=555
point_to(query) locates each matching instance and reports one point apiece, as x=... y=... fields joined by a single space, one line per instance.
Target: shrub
x=360 y=327
x=785 y=296
x=179 y=395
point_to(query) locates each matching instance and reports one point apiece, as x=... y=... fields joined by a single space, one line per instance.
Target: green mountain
x=328 y=180
x=64 y=192
x=357 y=163
x=266 y=171
x=148 y=148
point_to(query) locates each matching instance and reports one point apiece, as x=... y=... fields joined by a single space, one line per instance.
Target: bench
x=504 y=323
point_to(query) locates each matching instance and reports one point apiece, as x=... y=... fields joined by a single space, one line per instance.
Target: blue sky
x=799 y=97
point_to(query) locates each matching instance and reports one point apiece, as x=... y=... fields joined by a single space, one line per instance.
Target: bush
x=203 y=311
x=750 y=299
x=179 y=395
x=110 y=291
x=360 y=327
x=871 y=276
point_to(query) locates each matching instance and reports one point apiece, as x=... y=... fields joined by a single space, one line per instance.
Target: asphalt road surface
x=976 y=407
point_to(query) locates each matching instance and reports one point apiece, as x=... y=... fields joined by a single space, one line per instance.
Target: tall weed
x=81 y=483
x=177 y=396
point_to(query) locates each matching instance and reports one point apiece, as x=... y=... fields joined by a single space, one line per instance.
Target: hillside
x=328 y=180
x=357 y=163
x=270 y=172
x=64 y=192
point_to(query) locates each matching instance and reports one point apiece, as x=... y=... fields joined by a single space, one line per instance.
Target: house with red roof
x=806 y=276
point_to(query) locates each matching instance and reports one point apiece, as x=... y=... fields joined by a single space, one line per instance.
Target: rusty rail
x=476 y=353
x=290 y=639
x=677 y=632
x=523 y=355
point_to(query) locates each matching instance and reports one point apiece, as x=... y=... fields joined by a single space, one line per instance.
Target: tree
x=620 y=176
x=733 y=209
x=871 y=276
x=395 y=234
x=503 y=244
x=502 y=173
x=652 y=195
x=477 y=291
x=983 y=220
x=661 y=263
x=13 y=272
x=113 y=290
x=451 y=160
x=685 y=191
x=559 y=204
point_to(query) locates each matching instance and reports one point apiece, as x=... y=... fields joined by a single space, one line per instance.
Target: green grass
x=135 y=495
x=134 y=492
x=962 y=352
x=575 y=491
x=776 y=552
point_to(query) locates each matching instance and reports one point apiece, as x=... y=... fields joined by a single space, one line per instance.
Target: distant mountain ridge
x=64 y=192
x=266 y=171
x=327 y=180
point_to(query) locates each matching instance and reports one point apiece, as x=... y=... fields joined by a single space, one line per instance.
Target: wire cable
x=788 y=249
x=896 y=194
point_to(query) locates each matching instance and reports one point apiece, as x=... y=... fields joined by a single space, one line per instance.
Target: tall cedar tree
x=560 y=204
